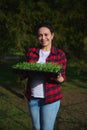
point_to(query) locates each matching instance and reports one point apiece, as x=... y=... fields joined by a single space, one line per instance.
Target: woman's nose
x=43 y=37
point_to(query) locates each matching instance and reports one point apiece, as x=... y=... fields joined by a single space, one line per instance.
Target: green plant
x=49 y=67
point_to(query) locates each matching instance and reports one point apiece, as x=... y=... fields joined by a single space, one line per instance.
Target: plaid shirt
x=52 y=88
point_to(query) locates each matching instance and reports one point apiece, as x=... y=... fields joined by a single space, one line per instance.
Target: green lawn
x=14 y=113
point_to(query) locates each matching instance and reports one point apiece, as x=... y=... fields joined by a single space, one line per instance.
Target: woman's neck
x=46 y=48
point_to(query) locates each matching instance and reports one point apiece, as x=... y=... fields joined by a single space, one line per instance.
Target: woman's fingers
x=60 y=78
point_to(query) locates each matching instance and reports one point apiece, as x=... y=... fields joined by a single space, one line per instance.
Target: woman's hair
x=44 y=24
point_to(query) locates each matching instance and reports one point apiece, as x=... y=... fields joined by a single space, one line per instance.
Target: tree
x=18 y=18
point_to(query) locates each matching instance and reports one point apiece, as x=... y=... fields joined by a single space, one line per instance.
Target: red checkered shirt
x=52 y=88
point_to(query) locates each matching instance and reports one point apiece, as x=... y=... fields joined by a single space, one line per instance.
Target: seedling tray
x=29 y=73
x=29 y=69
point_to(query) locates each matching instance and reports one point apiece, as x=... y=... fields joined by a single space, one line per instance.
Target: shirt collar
x=53 y=49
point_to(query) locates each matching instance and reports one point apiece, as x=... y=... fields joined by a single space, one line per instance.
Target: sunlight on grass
x=12 y=113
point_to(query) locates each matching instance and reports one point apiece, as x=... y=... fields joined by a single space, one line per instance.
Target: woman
x=44 y=93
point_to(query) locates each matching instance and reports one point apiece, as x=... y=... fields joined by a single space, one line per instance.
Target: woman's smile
x=45 y=37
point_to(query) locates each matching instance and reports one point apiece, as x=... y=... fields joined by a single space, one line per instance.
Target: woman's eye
x=46 y=34
x=39 y=35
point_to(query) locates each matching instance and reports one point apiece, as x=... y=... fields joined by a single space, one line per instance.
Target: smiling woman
x=44 y=93
x=45 y=38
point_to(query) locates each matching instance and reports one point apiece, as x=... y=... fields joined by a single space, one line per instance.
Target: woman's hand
x=60 y=78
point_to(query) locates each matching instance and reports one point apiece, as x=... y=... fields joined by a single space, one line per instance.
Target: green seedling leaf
x=48 y=67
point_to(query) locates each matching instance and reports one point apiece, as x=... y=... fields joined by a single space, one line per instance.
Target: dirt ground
x=73 y=111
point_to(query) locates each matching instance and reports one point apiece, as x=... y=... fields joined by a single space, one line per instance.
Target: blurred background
x=19 y=17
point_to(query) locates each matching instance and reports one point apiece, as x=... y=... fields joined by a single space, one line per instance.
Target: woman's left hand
x=60 y=78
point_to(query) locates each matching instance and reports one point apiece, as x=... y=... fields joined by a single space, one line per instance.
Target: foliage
x=49 y=67
x=18 y=19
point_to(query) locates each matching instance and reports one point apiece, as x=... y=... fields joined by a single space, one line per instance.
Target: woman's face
x=45 y=36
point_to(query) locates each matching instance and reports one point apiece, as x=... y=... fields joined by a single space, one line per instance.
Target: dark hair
x=44 y=24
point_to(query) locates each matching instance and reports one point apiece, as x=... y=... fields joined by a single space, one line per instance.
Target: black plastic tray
x=28 y=72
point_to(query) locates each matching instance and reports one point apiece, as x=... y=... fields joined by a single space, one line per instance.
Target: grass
x=14 y=113
x=13 y=107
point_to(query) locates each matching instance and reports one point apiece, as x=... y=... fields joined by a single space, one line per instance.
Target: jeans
x=43 y=115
